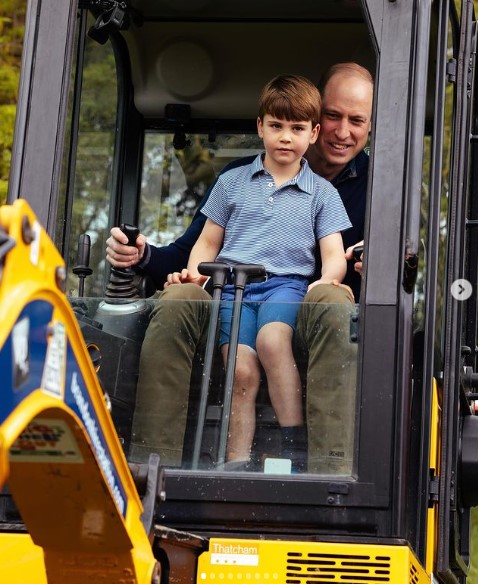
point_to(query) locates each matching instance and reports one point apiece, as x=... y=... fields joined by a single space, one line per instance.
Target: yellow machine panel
x=20 y=558
x=292 y=562
x=60 y=456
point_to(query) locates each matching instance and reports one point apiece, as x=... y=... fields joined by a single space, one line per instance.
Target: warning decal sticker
x=44 y=439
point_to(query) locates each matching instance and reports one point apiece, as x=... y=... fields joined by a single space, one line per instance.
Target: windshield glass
x=166 y=132
x=173 y=392
x=174 y=181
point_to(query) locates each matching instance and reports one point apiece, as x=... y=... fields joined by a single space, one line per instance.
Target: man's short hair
x=291 y=98
x=350 y=68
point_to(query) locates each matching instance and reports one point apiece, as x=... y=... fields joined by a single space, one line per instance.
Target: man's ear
x=259 y=127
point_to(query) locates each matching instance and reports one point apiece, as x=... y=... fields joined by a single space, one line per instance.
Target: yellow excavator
x=127 y=111
x=59 y=451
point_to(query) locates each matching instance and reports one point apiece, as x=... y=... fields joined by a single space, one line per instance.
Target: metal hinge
x=111 y=16
x=433 y=490
x=451 y=70
x=471 y=62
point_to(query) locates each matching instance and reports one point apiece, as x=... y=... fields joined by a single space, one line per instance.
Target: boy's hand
x=121 y=255
x=349 y=255
x=185 y=277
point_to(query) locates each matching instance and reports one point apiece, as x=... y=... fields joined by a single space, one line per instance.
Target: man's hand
x=185 y=277
x=119 y=253
x=349 y=256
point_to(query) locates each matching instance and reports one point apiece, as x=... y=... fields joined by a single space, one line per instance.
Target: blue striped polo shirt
x=276 y=227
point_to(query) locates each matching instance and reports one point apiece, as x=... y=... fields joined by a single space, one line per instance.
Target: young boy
x=272 y=212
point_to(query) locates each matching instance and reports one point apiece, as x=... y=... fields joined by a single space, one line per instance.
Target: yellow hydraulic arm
x=60 y=456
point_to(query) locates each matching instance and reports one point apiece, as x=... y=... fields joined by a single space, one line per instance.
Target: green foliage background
x=12 y=17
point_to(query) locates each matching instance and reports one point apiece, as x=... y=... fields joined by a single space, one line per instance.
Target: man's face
x=344 y=123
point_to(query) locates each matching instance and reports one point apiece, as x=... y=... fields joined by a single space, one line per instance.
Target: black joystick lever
x=121 y=284
x=357 y=253
x=131 y=233
x=82 y=268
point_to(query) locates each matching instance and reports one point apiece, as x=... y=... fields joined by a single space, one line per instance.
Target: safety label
x=46 y=438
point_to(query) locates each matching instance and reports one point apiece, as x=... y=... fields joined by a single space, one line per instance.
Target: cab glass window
x=90 y=164
x=174 y=180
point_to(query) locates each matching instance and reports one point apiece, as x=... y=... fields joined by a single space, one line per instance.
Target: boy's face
x=286 y=142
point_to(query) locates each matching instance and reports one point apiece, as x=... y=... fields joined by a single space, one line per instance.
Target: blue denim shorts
x=275 y=300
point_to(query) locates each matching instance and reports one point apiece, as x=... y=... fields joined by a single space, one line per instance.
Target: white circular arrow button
x=461 y=289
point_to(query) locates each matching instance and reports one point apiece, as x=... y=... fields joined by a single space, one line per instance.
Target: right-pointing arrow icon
x=461 y=289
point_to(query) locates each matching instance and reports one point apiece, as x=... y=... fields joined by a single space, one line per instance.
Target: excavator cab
x=127 y=112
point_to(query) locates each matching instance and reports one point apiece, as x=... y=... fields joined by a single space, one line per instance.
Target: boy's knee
x=270 y=350
x=327 y=293
x=247 y=371
x=246 y=377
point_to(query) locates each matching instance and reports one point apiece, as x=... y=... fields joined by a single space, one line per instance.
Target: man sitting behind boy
x=178 y=328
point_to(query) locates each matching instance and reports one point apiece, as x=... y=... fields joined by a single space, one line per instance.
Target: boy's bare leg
x=242 y=421
x=274 y=348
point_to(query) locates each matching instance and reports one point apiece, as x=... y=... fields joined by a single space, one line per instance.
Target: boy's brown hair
x=291 y=98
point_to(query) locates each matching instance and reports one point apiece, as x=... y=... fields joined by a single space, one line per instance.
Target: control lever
x=123 y=298
x=82 y=268
x=121 y=284
x=131 y=232
x=357 y=253
x=218 y=273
